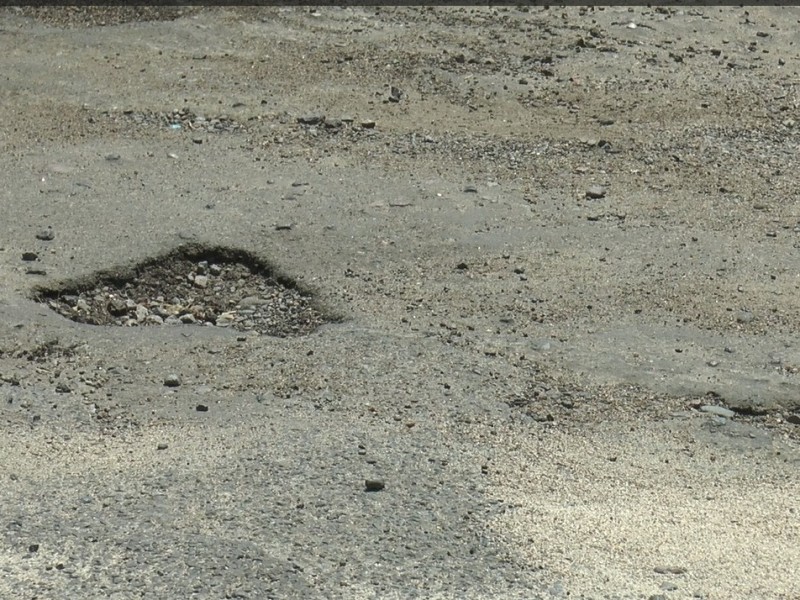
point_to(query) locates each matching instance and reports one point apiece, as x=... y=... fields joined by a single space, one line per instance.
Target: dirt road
x=399 y=302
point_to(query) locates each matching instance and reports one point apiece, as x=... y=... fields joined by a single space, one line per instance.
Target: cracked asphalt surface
x=560 y=247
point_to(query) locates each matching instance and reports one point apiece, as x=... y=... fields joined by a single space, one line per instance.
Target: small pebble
x=45 y=234
x=225 y=319
x=596 y=192
x=172 y=380
x=311 y=119
x=720 y=411
x=117 y=307
x=30 y=256
x=162 y=446
x=664 y=570
x=374 y=485
x=201 y=408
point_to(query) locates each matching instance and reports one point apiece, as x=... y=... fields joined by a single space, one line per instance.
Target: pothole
x=179 y=119
x=194 y=286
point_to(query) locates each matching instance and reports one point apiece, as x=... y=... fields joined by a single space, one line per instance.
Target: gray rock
x=719 y=411
x=669 y=569
x=310 y=119
x=225 y=319
x=172 y=380
x=117 y=307
x=45 y=234
x=201 y=281
x=744 y=316
x=374 y=485
x=596 y=192
x=141 y=313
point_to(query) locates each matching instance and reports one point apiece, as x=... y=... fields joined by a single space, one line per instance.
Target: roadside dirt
x=533 y=270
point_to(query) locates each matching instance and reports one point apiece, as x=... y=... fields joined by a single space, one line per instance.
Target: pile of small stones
x=183 y=119
x=185 y=292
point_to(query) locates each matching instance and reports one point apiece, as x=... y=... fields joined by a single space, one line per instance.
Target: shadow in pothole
x=192 y=285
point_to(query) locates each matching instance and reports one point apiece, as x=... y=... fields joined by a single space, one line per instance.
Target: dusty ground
x=557 y=254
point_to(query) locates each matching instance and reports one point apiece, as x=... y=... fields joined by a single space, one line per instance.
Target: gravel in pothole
x=180 y=119
x=182 y=291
